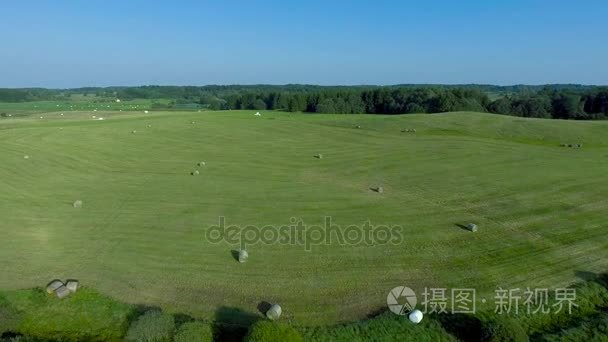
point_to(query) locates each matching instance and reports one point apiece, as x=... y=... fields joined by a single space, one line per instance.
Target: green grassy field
x=76 y=103
x=139 y=238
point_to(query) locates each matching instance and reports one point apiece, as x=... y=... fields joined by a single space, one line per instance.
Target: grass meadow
x=140 y=235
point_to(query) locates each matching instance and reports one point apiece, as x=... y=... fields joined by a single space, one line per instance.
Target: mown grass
x=74 y=104
x=139 y=237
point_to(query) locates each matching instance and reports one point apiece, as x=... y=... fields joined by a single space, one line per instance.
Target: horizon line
x=314 y=85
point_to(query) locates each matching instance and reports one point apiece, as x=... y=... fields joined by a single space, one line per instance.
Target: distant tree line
x=378 y=100
x=557 y=104
x=567 y=101
x=546 y=103
x=27 y=94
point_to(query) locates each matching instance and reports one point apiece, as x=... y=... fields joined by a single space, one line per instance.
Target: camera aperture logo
x=301 y=234
x=401 y=300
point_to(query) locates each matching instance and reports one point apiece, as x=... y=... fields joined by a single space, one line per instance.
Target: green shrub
x=20 y=339
x=503 y=329
x=266 y=331
x=592 y=328
x=9 y=316
x=385 y=327
x=589 y=296
x=153 y=326
x=194 y=332
x=83 y=316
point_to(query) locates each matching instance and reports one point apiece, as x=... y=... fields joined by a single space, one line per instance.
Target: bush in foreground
x=194 y=332
x=385 y=327
x=153 y=326
x=593 y=328
x=84 y=316
x=503 y=329
x=266 y=331
x=9 y=317
x=21 y=339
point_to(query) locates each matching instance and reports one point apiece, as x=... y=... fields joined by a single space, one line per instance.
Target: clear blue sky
x=131 y=42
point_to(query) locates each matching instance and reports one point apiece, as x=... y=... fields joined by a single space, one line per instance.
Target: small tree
x=194 y=332
x=502 y=105
x=326 y=106
x=259 y=104
x=153 y=326
x=503 y=329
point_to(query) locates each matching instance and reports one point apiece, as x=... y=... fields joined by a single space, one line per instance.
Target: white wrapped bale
x=274 y=312
x=415 y=316
x=62 y=292
x=53 y=286
x=243 y=255
x=72 y=285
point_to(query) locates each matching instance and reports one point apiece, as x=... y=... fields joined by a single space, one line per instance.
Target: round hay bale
x=358 y=126
x=72 y=285
x=149 y=126
x=319 y=156
x=243 y=255
x=380 y=190
x=195 y=173
x=274 y=312
x=62 y=292
x=472 y=227
x=201 y=163
x=133 y=131
x=145 y=112
x=415 y=316
x=26 y=157
x=53 y=286
x=77 y=204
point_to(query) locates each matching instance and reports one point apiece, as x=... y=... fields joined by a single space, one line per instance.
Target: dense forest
x=550 y=101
